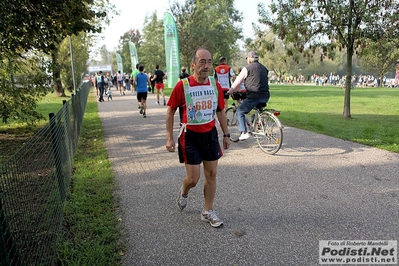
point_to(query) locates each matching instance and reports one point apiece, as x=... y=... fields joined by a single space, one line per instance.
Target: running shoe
x=182 y=201
x=157 y=103
x=141 y=109
x=164 y=102
x=243 y=136
x=144 y=115
x=212 y=218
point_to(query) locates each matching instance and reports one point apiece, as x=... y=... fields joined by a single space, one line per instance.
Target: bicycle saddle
x=261 y=105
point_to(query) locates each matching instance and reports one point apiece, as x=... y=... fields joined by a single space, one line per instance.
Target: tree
x=124 y=50
x=271 y=51
x=27 y=25
x=106 y=56
x=151 y=48
x=330 y=25
x=29 y=30
x=23 y=81
x=212 y=24
x=80 y=47
x=42 y=25
x=380 y=56
x=86 y=17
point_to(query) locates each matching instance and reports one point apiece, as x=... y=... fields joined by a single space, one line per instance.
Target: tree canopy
x=329 y=25
x=129 y=36
x=151 y=48
x=380 y=55
x=30 y=31
x=43 y=24
x=212 y=24
x=219 y=31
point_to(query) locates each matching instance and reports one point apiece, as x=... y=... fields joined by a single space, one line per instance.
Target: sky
x=132 y=17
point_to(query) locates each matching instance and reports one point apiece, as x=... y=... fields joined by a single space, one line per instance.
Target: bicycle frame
x=263 y=125
x=267 y=130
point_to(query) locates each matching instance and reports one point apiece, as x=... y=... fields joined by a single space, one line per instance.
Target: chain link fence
x=34 y=184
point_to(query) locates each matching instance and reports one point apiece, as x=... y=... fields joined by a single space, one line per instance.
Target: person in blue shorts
x=141 y=83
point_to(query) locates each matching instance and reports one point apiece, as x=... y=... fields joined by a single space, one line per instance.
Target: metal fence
x=34 y=184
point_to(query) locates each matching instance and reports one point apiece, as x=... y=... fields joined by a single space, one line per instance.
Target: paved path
x=275 y=208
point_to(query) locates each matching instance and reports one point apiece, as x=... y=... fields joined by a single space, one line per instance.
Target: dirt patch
x=10 y=144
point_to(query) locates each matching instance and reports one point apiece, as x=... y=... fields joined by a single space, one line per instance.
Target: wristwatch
x=226 y=135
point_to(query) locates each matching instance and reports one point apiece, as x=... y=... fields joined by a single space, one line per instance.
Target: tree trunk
x=348 y=83
x=349 y=55
x=58 y=89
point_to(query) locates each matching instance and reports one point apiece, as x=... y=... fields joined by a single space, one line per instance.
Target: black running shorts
x=141 y=96
x=195 y=147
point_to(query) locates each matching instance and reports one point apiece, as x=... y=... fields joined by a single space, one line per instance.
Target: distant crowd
x=111 y=81
x=318 y=80
x=334 y=79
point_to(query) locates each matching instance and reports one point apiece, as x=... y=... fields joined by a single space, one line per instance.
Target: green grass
x=374 y=113
x=91 y=227
x=51 y=104
x=14 y=134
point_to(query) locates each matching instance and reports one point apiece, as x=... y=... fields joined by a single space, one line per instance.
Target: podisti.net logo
x=358 y=252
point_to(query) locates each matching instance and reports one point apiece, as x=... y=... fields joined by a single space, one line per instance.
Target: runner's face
x=202 y=66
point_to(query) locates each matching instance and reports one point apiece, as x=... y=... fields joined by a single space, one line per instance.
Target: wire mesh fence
x=34 y=184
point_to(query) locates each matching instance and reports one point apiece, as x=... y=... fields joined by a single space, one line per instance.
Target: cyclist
x=224 y=74
x=256 y=82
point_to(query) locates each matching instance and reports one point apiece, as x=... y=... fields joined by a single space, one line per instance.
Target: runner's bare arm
x=170 y=142
x=223 y=125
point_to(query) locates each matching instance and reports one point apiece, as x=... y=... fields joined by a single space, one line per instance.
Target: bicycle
x=262 y=124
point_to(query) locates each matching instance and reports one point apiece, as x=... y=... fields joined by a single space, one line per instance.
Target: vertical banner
x=133 y=55
x=172 y=51
x=397 y=74
x=119 y=62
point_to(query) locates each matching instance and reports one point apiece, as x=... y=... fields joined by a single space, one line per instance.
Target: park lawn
x=374 y=112
x=14 y=134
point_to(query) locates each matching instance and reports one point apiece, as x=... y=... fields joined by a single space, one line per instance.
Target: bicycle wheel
x=268 y=133
x=232 y=123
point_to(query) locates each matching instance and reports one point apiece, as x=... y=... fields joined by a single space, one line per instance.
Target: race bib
x=201 y=102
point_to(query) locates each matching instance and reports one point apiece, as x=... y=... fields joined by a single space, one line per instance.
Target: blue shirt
x=141 y=81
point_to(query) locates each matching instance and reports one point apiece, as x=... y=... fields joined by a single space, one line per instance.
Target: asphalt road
x=275 y=208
